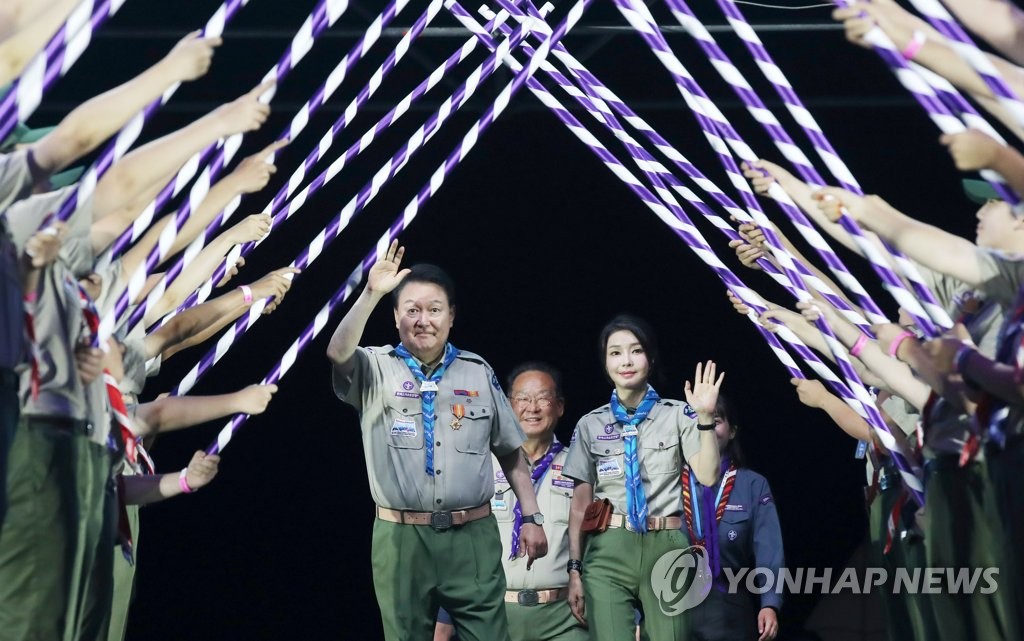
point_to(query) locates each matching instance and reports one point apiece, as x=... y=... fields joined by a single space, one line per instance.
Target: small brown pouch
x=597 y=517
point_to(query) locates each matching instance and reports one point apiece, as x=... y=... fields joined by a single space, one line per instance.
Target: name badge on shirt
x=404 y=427
x=608 y=468
x=428 y=386
x=629 y=430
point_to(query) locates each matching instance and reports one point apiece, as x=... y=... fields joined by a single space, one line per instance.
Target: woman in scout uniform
x=631 y=452
x=736 y=522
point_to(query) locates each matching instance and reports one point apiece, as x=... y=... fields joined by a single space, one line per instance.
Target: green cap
x=66 y=177
x=979 y=191
x=23 y=135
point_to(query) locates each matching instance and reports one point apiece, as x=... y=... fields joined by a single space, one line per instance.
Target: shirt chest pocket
x=560 y=497
x=660 y=456
x=473 y=435
x=734 y=527
x=404 y=423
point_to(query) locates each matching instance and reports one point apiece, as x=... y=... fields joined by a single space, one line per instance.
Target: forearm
x=134 y=173
x=998 y=379
x=198 y=272
x=930 y=246
x=346 y=337
x=200 y=322
x=911 y=353
x=178 y=412
x=898 y=378
x=582 y=497
x=104 y=231
x=15 y=15
x=517 y=472
x=998 y=22
x=19 y=49
x=217 y=198
x=707 y=461
x=143 y=489
x=846 y=418
x=1009 y=163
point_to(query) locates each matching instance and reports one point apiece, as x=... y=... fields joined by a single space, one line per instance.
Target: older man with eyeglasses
x=535 y=597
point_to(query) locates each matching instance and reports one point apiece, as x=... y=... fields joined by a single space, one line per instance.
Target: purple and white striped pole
x=644 y=23
x=277 y=207
x=118 y=147
x=26 y=93
x=940 y=114
x=362 y=198
x=657 y=172
x=435 y=182
x=947 y=25
x=829 y=156
x=298 y=123
x=324 y=15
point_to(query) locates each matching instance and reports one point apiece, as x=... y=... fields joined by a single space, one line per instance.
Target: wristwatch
x=574 y=564
x=536 y=519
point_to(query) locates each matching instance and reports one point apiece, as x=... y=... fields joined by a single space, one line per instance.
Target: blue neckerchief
x=636 y=501
x=427 y=396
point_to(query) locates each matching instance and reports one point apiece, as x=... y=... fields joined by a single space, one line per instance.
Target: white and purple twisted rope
x=641 y=19
x=322 y=17
x=367 y=193
x=409 y=213
x=44 y=69
x=282 y=212
x=831 y=158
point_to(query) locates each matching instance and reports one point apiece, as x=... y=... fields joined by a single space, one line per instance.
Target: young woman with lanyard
x=736 y=522
x=631 y=452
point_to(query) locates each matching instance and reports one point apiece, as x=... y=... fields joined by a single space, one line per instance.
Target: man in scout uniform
x=535 y=600
x=427 y=451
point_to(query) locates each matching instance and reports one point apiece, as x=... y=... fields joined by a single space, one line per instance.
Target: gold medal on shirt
x=458 y=411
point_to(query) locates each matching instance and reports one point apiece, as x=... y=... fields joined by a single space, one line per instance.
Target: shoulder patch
x=572 y=440
x=689 y=411
x=766 y=499
x=496 y=384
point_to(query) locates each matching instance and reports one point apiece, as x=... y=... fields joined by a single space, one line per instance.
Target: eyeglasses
x=542 y=400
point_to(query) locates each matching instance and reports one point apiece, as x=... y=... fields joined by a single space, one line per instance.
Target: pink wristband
x=914 y=46
x=859 y=345
x=246 y=293
x=894 y=346
x=183 y=482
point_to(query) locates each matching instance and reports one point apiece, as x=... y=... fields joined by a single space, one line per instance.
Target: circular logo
x=609 y=428
x=407 y=386
x=732 y=535
x=681 y=579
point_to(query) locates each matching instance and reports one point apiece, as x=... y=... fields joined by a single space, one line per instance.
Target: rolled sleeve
x=506 y=433
x=362 y=379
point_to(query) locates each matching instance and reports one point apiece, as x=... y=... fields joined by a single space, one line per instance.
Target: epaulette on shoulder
x=471 y=356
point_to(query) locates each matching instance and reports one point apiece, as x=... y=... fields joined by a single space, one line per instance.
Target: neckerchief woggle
x=536 y=476
x=428 y=392
x=636 y=500
x=709 y=510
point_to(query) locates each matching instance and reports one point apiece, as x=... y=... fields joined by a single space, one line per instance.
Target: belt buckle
x=528 y=597
x=441 y=521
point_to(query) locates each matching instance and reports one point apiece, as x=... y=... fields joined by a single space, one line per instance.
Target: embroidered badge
x=404 y=427
x=733 y=508
x=466 y=392
x=609 y=428
x=732 y=535
x=689 y=411
x=608 y=437
x=495 y=383
x=407 y=394
x=407 y=386
x=563 y=482
x=499 y=476
x=766 y=499
x=609 y=468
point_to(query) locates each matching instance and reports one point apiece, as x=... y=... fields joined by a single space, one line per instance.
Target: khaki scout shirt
x=906 y=418
x=949 y=429
x=386 y=395
x=554 y=494
x=667 y=439
x=59 y=324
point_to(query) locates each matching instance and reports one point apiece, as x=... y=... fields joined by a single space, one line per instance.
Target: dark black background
x=545 y=245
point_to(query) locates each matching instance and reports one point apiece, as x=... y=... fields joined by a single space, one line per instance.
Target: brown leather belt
x=437 y=520
x=653 y=522
x=536 y=597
